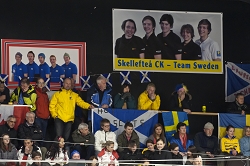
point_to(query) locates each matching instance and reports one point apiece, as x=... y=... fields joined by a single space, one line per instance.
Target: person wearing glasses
x=8 y=128
x=42 y=106
x=103 y=135
x=25 y=94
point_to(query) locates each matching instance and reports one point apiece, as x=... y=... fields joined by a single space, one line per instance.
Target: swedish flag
x=236 y=120
x=171 y=119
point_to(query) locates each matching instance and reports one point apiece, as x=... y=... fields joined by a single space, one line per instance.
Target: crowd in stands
x=104 y=146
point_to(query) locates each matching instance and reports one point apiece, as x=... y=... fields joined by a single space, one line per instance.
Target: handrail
x=16 y=105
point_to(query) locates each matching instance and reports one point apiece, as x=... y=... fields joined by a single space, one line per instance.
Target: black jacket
x=204 y=144
x=179 y=157
x=236 y=108
x=5 y=129
x=174 y=102
x=161 y=155
x=128 y=155
x=34 y=132
x=6 y=92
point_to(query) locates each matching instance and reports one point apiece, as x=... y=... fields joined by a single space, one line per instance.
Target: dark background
x=91 y=22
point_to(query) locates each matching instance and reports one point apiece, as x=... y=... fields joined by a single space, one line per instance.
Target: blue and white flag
x=107 y=76
x=85 y=82
x=145 y=77
x=125 y=77
x=4 y=78
x=237 y=81
x=143 y=121
x=47 y=84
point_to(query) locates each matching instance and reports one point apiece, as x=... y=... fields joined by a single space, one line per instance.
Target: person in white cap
x=205 y=142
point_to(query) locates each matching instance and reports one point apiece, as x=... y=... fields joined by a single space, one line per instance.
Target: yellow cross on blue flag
x=171 y=119
x=236 y=120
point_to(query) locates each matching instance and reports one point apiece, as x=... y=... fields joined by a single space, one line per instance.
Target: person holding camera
x=125 y=100
x=238 y=107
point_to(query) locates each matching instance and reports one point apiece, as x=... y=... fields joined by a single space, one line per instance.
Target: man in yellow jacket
x=148 y=100
x=62 y=108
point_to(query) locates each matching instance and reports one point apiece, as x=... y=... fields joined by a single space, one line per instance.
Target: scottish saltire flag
x=125 y=77
x=236 y=120
x=145 y=77
x=47 y=84
x=237 y=81
x=85 y=82
x=107 y=76
x=4 y=78
x=171 y=119
x=143 y=121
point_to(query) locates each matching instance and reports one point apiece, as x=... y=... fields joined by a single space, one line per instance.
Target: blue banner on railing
x=143 y=121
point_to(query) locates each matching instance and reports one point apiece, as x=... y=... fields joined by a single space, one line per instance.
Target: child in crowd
x=230 y=146
x=57 y=155
x=229 y=143
x=75 y=155
x=173 y=147
x=191 y=150
x=103 y=135
x=36 y=157
x=108 y=156
x=131 y=153
x=160 y=153
x=197 y=160
x=94 y=161
x=149 y=151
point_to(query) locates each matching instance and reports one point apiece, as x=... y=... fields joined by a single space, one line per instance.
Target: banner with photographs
x=167 y=41
x=53 y=60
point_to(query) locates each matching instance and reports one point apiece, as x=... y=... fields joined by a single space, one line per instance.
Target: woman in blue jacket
x=181 y=138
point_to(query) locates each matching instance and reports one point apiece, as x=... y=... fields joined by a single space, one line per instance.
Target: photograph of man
x=44 y=69
x=32 y=67
x=70 y=69
x=56 y=71
x=190 y=50
x=171 y=43
x=152 y=43
x=210 y=49
x=19 y=69
x=129 y=45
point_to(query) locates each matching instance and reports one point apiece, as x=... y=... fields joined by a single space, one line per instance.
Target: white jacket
x=21 y=156
x=101 y=137
x=108 y=158
x=61 y=158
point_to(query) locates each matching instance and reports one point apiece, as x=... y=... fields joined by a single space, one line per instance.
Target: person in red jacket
x=42 y=106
